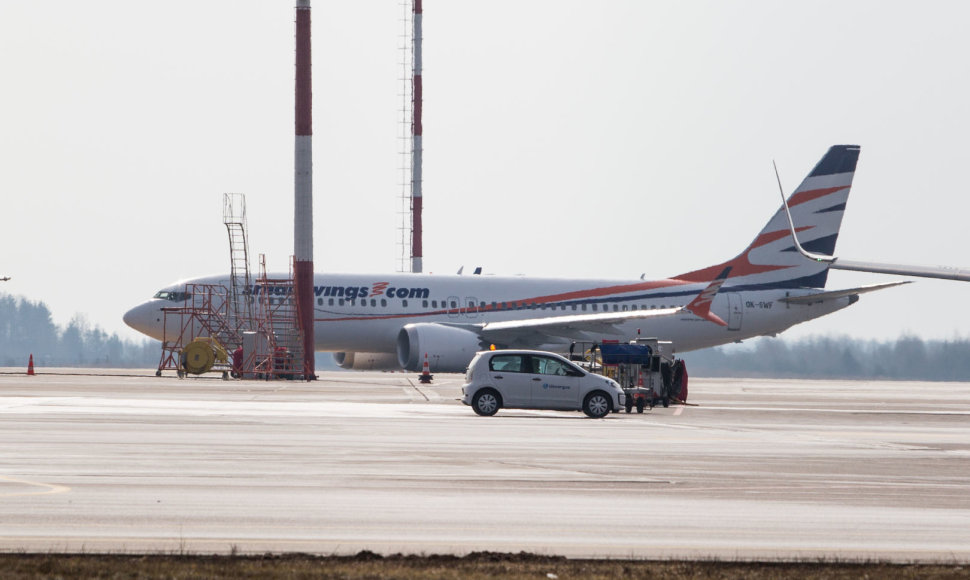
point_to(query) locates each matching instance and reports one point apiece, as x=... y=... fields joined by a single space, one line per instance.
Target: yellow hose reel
x=201 y=354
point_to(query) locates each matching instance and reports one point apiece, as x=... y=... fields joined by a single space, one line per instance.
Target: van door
x=554 y=385
x=507 y=375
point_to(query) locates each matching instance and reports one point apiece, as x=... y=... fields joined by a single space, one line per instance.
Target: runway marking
x=51 y=487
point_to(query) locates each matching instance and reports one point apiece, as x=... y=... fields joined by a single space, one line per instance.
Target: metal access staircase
x=240 y=282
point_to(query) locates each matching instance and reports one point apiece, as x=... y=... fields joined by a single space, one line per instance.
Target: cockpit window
x=173 y=296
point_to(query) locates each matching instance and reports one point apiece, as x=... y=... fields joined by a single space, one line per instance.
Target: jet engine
x=449 y=349
x=367 y=361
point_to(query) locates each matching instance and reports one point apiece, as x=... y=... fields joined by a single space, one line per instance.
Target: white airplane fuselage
x=363 y=312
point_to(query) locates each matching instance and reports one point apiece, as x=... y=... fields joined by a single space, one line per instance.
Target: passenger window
x=574 y=307
x=404 y=303
x=330 y=302
x=319 y=301
x=424 y=303
x=584 y=308
x=510 y=363
x=434 y=303
x=383 y=302
x=594 y=307
x=341 y=301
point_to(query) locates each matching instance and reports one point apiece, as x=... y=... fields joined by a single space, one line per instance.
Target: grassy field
x=477 y=565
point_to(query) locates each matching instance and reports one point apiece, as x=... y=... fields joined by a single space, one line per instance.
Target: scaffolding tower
x=257 y=323
x=205 y=313
x=279 y=337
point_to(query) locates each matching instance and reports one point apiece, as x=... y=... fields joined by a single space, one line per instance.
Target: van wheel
x=597 y=405
x=486 y=402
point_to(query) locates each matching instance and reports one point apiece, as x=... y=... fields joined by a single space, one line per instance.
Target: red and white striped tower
x=416 y=201
x=303 y=188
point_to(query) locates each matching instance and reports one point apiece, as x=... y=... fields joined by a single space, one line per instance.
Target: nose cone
x=146 y=318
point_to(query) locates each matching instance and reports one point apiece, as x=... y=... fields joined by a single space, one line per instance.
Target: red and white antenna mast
x=303 y=188
x=416 y=199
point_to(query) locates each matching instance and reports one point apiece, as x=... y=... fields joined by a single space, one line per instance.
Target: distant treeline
x=827 y=357
x=27 y=328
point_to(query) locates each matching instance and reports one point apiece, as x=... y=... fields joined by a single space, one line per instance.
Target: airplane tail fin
x=817 y=206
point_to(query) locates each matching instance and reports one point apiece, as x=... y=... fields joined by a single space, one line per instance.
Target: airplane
x=396 y=321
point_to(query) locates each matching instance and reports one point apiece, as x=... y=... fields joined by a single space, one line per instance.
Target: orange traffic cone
x=30 y=366
x=425 y=372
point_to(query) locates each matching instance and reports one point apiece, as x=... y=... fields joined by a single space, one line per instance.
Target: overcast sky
x=564 y=138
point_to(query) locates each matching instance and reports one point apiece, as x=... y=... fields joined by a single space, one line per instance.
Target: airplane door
x=454 y=306
x=735 y=310
x=471 y=307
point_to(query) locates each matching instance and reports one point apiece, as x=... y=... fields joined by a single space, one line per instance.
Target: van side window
x=510 y=363
x=549 y=366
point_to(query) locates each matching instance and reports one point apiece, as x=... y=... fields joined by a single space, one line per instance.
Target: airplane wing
x=824 y=296
x=580 y=326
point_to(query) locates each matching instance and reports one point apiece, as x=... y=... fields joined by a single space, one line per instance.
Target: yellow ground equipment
x=200 y=355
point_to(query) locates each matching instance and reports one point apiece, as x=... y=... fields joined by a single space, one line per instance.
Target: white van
x=530 y=379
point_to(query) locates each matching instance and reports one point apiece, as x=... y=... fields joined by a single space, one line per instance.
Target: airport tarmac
x=778 y=469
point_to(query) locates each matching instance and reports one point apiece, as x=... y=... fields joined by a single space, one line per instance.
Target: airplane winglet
x=701 y=305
